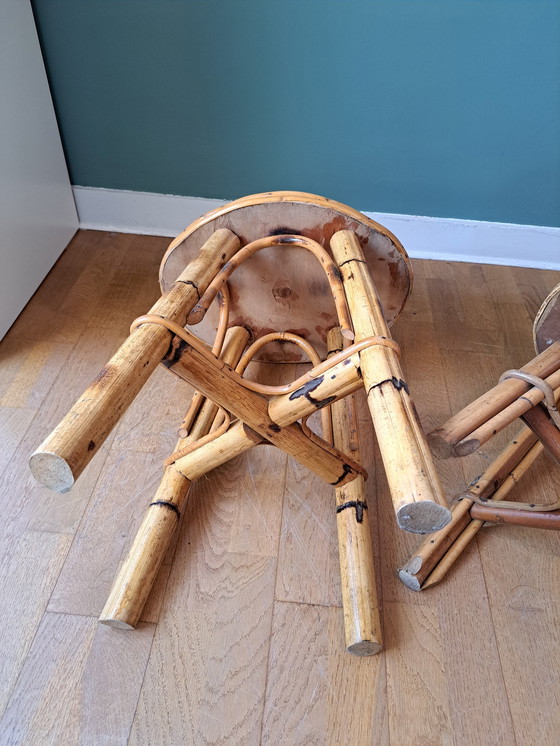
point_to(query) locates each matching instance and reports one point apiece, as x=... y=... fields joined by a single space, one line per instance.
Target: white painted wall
x=37 y=212
x=423 y=237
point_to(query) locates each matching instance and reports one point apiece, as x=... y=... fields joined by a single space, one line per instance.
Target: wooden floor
x=242 y=641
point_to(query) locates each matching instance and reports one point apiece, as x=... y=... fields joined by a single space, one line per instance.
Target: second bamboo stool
x=530 y=394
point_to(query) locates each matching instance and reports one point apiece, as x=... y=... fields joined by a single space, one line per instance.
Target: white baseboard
x=423 y=237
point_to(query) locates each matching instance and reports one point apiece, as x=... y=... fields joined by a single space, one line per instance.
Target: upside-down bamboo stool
x=266 y=260
x=530 y=394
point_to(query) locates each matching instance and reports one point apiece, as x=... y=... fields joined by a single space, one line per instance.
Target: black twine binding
x=167 y=504
x=358 y=504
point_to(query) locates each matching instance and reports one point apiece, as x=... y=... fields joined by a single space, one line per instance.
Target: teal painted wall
x=448 y=108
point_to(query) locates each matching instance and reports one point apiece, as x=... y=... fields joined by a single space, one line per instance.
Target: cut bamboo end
x=51 y=470
x=442 y=449
x=116 y=623
x=423 y=517
x=409 y=579
x=500 y=406
x=466 y=447
x=365 y=648
x=411 y=475
x=196 y=315
x=439 y=447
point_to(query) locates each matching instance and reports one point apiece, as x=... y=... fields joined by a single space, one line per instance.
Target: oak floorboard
x=73 y=290
x=80 y=684
x=124 y=489
x=308 y=564
x=242 y=637
x=14 y=423
x=29 y=567
x=529 y=646
x=205 y=680
x=335 y=698
x=23 y=502
x=28 y=370
x=417 y=697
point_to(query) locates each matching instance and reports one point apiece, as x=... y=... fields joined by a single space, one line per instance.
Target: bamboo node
x=353 y=259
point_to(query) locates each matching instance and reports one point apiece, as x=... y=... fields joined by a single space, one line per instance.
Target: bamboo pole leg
x=542 y=424
x=465 y=431
x=434 y=547
x=519 y=408
x=362 y=625
x=437 y=553
x=65 y=453
x=417 y=495
x=136 y=577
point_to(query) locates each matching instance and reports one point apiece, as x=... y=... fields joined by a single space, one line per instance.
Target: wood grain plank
x=125 y=487
x=529 y=645
x=206 y=676
x=534 y=286
x=151 y=423
x=296 y=706
x=14 y=423
x=228 y=664
x=66 y=300
x=22 y=500
x=30 y=563
x=335 y=697
x=357 y=693
x=308 y=564
x=133 y=287
x=80 y=684
x=259 y=480
x=418 y=704
x=28 y=370
x=474 y=679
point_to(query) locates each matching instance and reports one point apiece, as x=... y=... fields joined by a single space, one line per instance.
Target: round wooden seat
x=285 y=289
x=546 y=327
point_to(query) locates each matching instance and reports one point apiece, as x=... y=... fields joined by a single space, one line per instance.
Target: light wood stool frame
x=230 y=415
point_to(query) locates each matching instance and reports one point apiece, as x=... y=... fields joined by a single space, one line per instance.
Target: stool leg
x=136 y=577
x=542 y=424
x=474 y=425
x=438 y=553
x=416 y=491
x=362 y=624
x=62 y=457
